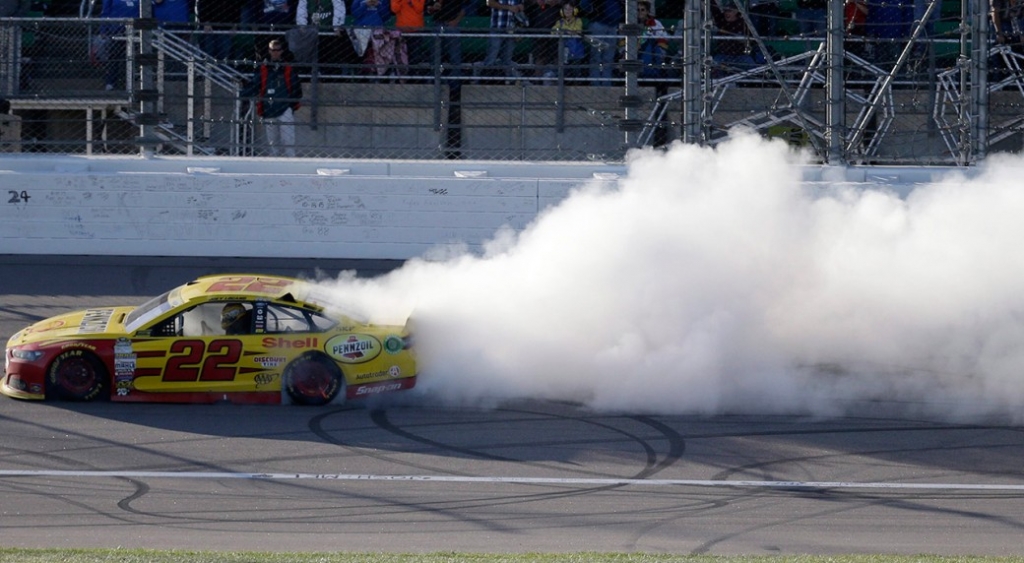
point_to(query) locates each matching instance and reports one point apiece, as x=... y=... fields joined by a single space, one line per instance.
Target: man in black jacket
x=278 y=93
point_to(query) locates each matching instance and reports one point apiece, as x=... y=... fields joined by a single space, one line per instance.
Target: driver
x=235 y=319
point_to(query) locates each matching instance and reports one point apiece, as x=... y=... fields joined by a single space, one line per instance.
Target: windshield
x=148 y=311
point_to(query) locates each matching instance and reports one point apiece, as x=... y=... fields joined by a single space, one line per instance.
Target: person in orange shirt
x=409 y=18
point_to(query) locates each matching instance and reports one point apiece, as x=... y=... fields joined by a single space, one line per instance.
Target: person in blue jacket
x=112 y=35
x=606 y=17
x=171 y=11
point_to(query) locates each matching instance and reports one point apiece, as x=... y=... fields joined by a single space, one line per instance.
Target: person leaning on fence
x=382 y=50
x=855 y=18
x=410 y=19
x=605 y=18
x=732 y=49
x=216 y=19
x=653 y=41
x=506 y=16
x=888 y=24
x=543 y=15
x=277 y=12
x=278 y=94
x=321 y=24
x=110 y=47
x=446 y=16
x=574 y=51
x=171 y=13
x=1007 y=18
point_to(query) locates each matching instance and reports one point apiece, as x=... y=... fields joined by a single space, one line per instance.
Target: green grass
x=8 y=555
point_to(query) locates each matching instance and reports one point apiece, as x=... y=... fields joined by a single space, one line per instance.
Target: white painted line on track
x=511 y=480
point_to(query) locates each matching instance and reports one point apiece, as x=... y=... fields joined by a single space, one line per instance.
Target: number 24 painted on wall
x=18 y=197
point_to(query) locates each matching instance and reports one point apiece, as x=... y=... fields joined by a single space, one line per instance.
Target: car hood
x=101 y=321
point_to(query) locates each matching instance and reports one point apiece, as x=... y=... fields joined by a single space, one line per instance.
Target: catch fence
x=922 y=94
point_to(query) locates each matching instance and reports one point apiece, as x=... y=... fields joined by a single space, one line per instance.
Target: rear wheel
x=313 y=379
x=76 y=375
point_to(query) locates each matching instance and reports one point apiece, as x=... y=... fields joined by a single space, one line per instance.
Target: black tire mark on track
x=141 y=489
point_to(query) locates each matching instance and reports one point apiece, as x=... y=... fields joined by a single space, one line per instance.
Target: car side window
x=281 y=318
x=212 y=319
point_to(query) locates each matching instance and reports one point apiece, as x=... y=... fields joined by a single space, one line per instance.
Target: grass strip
x=15 y=555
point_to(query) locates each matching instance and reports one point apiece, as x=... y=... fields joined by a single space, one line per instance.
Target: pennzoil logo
x=353 y=348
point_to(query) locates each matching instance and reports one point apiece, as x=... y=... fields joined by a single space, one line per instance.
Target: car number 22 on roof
x=236 y=338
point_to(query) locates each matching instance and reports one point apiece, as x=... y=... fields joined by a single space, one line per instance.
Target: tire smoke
x=717 y=281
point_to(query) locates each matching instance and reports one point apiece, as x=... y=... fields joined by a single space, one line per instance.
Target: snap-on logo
x=353 y=348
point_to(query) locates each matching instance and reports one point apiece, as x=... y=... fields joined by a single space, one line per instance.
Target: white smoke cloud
x=715 y=280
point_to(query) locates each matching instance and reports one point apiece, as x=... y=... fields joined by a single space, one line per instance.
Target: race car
x=224 y=338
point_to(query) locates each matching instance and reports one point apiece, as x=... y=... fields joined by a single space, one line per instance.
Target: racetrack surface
x=412 y=475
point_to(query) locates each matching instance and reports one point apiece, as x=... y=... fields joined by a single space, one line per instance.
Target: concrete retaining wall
x=170 y=206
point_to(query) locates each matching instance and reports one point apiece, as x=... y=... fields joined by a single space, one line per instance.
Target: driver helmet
x=231 y=313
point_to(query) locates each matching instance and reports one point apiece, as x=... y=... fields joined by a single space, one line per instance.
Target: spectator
x=543 y=15
x=812 y=16
x=570 y=27
x=765 y=15
x=503 y=23
x=15 y=8
x=446 y=15
x=371 y=13
x=114 y=53
x=920 y=6
x=217 y=18
x=1007 y=21
x=378 y=47
x=855 y=17
x=409 y=18
x=732 y=48
x=670 y=9
x=277 y=12
x=173 y=15
x=653 y=42
x=327 y=18
x=888 y=23
x=171 y=12
x=278 y=94
x=605 y=18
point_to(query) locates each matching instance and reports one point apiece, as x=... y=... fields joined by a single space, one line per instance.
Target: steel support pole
x=835 y=88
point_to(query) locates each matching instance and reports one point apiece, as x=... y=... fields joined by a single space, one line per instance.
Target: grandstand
x=909 y=90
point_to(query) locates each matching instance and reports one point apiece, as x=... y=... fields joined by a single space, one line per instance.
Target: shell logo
x=353 y=348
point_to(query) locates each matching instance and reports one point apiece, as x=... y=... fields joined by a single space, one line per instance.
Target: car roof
x=246 y=286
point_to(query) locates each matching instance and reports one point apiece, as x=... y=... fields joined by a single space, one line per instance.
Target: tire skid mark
x=453 y=511
x=762 y=465
x=676 y=443
x=316 y=426
x=381 y=419
x=141 y=489
x=869 y=499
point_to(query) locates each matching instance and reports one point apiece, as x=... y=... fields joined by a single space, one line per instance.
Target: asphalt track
x=412 y=476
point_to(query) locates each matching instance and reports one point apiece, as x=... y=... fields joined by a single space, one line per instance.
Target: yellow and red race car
x=235 y=338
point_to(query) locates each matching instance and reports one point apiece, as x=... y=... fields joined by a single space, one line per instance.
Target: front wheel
x=76 y=375
x=313 y=379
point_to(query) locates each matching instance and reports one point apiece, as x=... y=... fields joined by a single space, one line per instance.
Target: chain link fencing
x=906 y=88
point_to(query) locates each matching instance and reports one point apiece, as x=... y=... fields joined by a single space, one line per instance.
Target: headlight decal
x=26 y=355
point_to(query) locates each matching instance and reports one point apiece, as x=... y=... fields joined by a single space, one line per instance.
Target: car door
x=191 y=351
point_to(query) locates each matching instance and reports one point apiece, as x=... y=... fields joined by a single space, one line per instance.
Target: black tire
x=313 y=379
x=76 y=375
